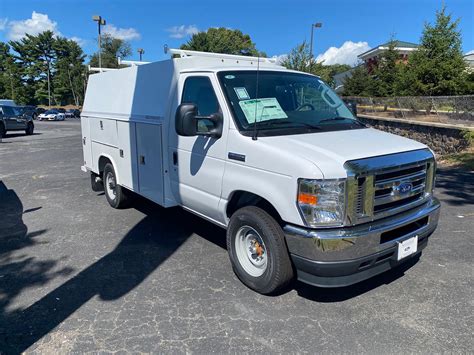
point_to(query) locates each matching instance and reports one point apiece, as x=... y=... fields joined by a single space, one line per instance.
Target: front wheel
x=29 y=129
x=3 y=131
x=116 y=195
x=257 y=250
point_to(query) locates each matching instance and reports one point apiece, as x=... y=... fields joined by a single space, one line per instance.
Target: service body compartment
x=104 y=131
x=86 y=142
x=150 y=161
x=127 y=162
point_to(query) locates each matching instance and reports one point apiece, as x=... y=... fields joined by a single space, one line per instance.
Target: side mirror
x=186 y=122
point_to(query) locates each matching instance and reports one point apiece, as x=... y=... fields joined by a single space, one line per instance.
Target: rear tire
x=116 y=195
x=29 y=129
x=257 y=250
x=3 y=131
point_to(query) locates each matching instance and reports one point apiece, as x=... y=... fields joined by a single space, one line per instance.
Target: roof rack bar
x=97 y=69
x=183 y=53
x=131 y=63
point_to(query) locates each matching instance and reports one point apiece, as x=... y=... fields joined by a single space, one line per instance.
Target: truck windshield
x=284 y=103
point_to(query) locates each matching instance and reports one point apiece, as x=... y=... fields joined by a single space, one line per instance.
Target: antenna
x=254 y=137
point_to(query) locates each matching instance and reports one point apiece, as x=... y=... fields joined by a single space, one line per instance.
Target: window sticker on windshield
x=266 y=109
x=242 y=93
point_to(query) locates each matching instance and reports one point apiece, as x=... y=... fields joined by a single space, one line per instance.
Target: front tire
x=257 y=250
x=3 y=131
x=29 y=129
x=116 y=195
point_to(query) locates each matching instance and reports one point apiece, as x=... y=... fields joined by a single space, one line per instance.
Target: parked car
x=40 y=110
x=51 y=115
x=29 y=111
x=75 y=113
x=11 y=119
x=272 y=155
x=61 y=110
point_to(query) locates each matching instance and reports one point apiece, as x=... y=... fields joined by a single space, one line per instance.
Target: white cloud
x=280 y=58
x=36 y=24
x=127 y=34
x=182 y=31
x=3 y=23
x=346 y=54
x=80 y=41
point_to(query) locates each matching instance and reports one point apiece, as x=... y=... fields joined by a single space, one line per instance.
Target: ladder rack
x=183 y=53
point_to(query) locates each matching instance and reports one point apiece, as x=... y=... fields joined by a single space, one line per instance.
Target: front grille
x=386 y=185
x=387 y=192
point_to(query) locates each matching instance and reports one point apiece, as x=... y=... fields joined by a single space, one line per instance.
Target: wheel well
x=241 y=199
x=102 y=162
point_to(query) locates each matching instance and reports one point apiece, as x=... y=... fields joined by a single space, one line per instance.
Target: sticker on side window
x=242 y=93
x=262 y=109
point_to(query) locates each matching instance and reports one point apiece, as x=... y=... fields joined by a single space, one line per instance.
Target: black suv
x=12 y=119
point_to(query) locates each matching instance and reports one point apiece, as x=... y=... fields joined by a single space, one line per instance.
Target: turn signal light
x=307 y=199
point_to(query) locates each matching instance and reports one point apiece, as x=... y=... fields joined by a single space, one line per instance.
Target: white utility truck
x=270 y=154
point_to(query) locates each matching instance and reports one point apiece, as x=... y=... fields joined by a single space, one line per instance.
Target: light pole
x=141 y=51
x=49 y=85
x=313 y=26
x=100 y=22
x=70 y=83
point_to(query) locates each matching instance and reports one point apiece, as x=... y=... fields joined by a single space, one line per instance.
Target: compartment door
x=150 y=161
x=86 y=142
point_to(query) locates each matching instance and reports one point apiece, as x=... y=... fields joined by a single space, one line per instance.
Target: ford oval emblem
x=404 y=188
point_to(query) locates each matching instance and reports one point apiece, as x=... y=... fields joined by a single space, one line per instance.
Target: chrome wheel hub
x=251 y=251
x=111 y=186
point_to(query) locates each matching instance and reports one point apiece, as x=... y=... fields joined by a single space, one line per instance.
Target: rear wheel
x=3 y=131
x=29 y=129
x=257 y=250
x=116 y=195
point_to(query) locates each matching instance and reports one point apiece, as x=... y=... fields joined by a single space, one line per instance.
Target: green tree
x=223 y=40
x=300 y=59
x=112 y=48
x=360 y=83
x=32 y=57
x=387 y=72
x=437 y=67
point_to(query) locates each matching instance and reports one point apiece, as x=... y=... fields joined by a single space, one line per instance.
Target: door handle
x=142 y=159
x=175 y=158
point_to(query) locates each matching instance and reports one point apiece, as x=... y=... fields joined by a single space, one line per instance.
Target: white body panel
x=137 y=106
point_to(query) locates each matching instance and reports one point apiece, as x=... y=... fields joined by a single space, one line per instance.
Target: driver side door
x=197 y=162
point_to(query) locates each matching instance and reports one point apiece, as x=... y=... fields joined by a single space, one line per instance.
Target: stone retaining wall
x=443 y=140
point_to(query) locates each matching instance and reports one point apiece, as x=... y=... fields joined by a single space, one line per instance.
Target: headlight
x=321 y=202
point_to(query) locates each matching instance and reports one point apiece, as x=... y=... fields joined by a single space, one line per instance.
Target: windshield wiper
x=338 y=118
x=278 y=121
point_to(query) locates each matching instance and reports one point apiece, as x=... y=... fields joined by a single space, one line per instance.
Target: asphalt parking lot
x=79 y=276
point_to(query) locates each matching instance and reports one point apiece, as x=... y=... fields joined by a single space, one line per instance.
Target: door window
x=199 y=91
x=8 y=111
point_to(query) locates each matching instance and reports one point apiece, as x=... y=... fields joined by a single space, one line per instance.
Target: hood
x=330 y=150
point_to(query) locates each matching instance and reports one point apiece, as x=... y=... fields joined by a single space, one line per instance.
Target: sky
x=348 y=27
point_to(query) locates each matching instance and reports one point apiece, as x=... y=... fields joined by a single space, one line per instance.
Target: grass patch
x=464 y=159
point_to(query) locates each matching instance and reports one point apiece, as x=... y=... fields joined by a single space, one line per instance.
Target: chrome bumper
x=341 y=244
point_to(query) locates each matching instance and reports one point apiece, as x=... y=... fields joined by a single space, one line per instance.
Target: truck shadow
x=148 y=244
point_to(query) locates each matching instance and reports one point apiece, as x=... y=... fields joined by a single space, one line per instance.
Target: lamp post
x=313 y=26
x=141 y=51
x=49 y=85
x=70 y=83
x=100 y=22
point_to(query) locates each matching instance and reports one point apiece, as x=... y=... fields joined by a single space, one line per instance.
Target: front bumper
x=343 y=256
